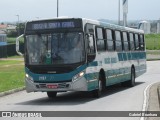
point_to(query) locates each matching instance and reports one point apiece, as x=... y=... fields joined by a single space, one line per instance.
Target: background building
x=146 y=26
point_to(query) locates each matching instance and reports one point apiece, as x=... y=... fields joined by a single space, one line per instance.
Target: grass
x=11 y=74
x=152 y=41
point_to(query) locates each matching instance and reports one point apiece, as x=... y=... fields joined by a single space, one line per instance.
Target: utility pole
x=57 y=8
x=119 y=13
x=125 y=11
x=18 y=25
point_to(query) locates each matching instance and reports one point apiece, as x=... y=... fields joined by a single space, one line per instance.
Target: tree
x=12 y=34
x=20 y=28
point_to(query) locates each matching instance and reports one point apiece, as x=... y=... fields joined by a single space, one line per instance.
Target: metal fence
x=10 y=50
x=3 y=51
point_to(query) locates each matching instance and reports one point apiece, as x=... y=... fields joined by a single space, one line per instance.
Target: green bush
x=12 y=34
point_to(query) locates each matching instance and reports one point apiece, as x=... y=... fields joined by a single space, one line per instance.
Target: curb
x=154 y=97
x=158 y=92
x=153 y=100
x=12 y=91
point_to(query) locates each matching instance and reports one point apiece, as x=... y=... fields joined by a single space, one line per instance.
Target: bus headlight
x=78 y=76
x=29 y=77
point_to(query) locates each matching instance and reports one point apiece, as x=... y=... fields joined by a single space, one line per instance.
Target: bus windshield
x=55 y=48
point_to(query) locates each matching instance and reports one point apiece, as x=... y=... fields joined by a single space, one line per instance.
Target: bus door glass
x=90 y=42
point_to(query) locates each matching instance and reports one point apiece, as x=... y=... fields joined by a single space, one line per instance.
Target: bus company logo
x=6 y=114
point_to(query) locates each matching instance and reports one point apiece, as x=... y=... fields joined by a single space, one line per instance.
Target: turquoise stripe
x=94 y=63
x=131 y=56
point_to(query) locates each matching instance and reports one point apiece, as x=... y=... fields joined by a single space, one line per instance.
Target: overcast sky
x=93 y=9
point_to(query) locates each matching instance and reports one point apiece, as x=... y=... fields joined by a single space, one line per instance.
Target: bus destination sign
x=38 y=26
x=46 y=25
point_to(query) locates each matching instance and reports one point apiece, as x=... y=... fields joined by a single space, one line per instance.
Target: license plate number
x=53 y=86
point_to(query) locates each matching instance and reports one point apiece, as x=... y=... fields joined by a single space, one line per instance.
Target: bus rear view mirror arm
x=17 y=45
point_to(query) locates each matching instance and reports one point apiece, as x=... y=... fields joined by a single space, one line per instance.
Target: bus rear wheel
x=131 y=82
x=52 y=94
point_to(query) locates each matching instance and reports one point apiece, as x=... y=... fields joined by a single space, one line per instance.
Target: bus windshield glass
x=55 y=48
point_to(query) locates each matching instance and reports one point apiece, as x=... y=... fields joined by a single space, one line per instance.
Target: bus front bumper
x=78 y=85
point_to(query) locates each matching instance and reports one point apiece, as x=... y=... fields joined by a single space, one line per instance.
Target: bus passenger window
x=100 y=40
x=142 y=42
x=125 y=41
x=110 y=44
x=136 y=42
x=118 y=41
x=99 y=33
x=132 y=46
x=100 y=45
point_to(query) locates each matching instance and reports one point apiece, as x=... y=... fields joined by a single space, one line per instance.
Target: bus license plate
x=53 y=86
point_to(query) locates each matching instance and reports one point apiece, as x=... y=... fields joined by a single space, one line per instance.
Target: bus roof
x=112 y=26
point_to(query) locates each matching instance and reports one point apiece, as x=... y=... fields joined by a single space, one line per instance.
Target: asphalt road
x=115 y=98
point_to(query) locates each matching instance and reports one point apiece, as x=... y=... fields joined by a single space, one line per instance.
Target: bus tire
x=131 y=82
x=102 y=77
x=52 y=94
x=97 y=93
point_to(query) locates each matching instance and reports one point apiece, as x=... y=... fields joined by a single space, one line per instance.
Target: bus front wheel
x=97 y=93
x=51 y=94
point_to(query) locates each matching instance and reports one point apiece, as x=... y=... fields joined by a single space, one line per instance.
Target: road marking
x=146 y=99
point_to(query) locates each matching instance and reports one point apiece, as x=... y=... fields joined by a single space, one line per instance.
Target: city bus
x=78 y=54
